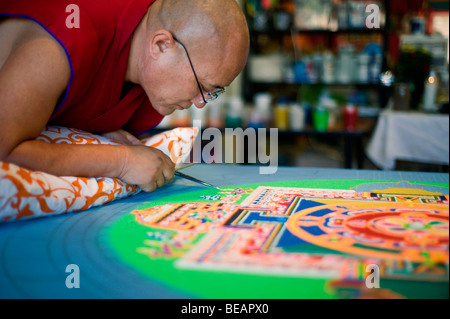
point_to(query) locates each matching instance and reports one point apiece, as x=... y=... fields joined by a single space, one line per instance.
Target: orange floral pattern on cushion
x=176 y=143
x=29 y=194
x=60 y=135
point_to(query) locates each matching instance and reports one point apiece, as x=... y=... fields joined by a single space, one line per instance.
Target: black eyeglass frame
x=212 y=95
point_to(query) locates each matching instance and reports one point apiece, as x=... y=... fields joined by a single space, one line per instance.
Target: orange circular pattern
x=393 y=232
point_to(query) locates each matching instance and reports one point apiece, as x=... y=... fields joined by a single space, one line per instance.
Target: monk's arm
x=31 y=80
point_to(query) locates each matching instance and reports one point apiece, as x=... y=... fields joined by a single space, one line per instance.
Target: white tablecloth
x=409 y=136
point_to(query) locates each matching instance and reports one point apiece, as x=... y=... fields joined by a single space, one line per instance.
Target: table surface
x=409 y=136
x=34 y=254
x=225 y=175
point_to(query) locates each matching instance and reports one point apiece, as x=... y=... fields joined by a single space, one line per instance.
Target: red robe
x=98 y=54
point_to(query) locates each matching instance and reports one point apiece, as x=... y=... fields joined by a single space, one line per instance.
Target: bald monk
x=126 y=65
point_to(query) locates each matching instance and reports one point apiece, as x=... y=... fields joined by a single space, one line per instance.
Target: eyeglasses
x=211 y=96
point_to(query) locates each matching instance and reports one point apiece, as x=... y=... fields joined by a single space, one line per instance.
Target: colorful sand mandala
x=293 y=240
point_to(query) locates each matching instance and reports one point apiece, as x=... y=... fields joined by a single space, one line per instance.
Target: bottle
x=320 y=118
x=328 y=68
x=199 y=115
x=376 y=68
x=263 y=106
x=345 y=64
x=430 y=91
x=350 y=115
x=326 y=102
x=363 y=67
x=296 y=117
x=235 y=112
x=215 y=114
x=281 y=117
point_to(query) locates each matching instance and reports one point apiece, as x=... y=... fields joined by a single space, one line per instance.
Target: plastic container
x=320 y=119
x=235 y=113
x=296 y=117
x=263 y=105
x=350 y=117
x=281 y=114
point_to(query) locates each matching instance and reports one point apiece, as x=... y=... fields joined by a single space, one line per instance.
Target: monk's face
x=168 y=77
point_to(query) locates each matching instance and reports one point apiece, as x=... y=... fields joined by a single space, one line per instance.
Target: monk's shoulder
x=17 y=32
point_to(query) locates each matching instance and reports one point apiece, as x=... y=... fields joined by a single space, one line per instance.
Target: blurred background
x=348 y=83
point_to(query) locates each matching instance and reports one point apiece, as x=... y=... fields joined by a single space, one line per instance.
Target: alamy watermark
x=73 y=279
x=73 y=19
x=373 y=19
x=229 y=146
x=373 y=279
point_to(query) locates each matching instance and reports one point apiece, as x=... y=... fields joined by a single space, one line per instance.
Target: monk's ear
x=162 y=40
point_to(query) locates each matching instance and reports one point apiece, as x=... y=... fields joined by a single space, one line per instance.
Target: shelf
x=352 y=139
x=364 y=128
x=305 y=41
x=318 y=31
x=262 y=83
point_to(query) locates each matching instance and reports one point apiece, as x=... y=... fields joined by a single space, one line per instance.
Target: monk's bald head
x=180 y=36
x=206 y=19
x=203 y=24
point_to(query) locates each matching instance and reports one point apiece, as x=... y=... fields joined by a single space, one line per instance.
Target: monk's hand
x=123 y=137
x=146 y=167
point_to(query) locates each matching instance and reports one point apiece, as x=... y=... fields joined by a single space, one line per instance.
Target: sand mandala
x=250 y=235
